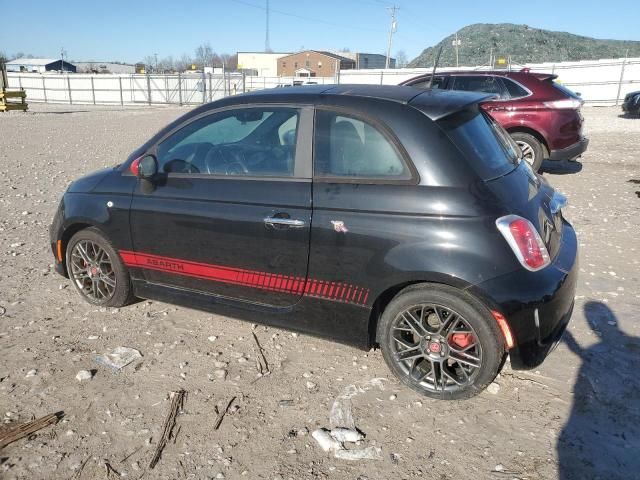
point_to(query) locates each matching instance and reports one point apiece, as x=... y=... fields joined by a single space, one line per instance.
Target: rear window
x=569 y=93
x=488 y=147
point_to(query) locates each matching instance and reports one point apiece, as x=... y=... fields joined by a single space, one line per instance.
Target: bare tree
x=166 y=65
x=184 y=63
x=401 y=59
x=205 y=55
x=230 y=61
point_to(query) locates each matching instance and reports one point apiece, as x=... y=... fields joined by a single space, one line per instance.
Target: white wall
x=266 y=64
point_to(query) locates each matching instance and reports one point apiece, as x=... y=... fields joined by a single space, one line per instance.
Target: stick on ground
x=222 y=413
x=261 y=361
x=177 y=401
x=12 y=434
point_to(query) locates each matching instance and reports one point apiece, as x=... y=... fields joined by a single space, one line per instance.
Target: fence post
x=382 y=77
x=203 y=81
x=44 y=89
x=120 y=83
x=244 y=82
x=210 y=88
x=93 y=91
x=620 y=82
x=149 y=87
x=69 y=89
x=180 y=88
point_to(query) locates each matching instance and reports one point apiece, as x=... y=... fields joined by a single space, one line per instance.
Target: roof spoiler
x=540 y=76
x=437 y=104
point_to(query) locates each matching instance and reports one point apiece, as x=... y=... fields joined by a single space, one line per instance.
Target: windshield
x=489 y=148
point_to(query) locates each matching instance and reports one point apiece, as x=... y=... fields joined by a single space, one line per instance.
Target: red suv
x=542 y=116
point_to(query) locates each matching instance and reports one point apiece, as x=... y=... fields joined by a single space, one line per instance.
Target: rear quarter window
x=515 y=90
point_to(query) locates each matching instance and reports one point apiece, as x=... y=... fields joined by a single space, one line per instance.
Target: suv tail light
x=564 y=104
x=525 y=241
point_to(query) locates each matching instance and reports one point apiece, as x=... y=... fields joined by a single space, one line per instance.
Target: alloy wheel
x=92 y=270
x=436 y=348
x=528 y=153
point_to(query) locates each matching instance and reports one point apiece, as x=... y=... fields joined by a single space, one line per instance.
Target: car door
x=499 y=107
x=360 y=183
x=230 y=212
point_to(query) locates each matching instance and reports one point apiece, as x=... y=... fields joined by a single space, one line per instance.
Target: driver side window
x=244 y=141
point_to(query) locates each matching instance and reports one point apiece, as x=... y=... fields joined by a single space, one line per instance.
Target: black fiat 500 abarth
x=370 y=215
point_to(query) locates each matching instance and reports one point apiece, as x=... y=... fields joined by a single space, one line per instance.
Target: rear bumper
x=537 y=305
x=570 y=152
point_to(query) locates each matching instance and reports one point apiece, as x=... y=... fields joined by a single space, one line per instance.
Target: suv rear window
x=488 y=147
x=565 y=90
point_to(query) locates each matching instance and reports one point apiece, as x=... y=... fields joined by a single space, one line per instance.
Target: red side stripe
x=248 y=278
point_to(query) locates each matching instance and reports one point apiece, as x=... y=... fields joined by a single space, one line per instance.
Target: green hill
x=524 y=44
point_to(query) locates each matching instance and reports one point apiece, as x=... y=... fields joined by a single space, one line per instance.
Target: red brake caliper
x=461 y=340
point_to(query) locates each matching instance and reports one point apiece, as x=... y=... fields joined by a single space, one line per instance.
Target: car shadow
x=630 y=116
x=560 y=167
x=601 y=438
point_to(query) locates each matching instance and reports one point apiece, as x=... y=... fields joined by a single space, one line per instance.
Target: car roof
x=436 y=104
x=518 y=75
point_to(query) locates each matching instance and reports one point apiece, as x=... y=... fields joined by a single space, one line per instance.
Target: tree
x=3 y=57
x=205 y=56
x=184 y=63
x=230 y=61
x=401 y=59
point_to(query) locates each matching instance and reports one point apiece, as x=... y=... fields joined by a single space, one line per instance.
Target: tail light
x=564 y=104
x=525 y=241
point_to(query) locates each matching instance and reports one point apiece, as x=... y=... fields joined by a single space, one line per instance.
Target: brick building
x=312 y=63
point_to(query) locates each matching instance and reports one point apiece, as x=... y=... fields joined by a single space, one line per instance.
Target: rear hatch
x=495 y=157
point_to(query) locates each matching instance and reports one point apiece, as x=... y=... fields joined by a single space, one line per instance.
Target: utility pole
x=267 y=47
x=156 y=55
x=62 y=52
x=456 y=43
x=392 y=30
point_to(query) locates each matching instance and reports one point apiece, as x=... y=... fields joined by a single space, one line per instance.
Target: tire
x=90 y=277
x=475 y=326
x=532 y=149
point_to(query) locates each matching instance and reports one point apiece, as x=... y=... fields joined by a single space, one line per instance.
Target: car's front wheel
x=440 y=341
x=96 y=270
x=532 y=149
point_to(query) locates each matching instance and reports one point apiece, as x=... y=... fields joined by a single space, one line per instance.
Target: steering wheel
x=217 y=163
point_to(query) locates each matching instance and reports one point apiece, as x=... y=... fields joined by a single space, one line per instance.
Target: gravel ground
x=577 y=416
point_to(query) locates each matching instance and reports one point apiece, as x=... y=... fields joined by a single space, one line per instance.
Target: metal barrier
x=602 y=82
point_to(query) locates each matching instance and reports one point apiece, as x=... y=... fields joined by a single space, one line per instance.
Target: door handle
x=287 y=222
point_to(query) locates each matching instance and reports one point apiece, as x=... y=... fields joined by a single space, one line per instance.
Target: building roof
x=268 y=53
x=34 y=61
x=324 y=52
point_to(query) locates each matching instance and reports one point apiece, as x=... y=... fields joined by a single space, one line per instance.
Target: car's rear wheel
x=532 y=149
x=440 y=341
x=96 y=270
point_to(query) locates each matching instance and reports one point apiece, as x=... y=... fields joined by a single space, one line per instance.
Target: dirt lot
x=577 y=416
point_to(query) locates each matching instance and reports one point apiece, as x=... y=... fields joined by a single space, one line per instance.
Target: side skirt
x=337 y=321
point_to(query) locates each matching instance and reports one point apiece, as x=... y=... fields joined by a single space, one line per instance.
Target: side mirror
x=145 y=167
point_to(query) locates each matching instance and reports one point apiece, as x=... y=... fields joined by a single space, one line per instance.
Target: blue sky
x=130 y=30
